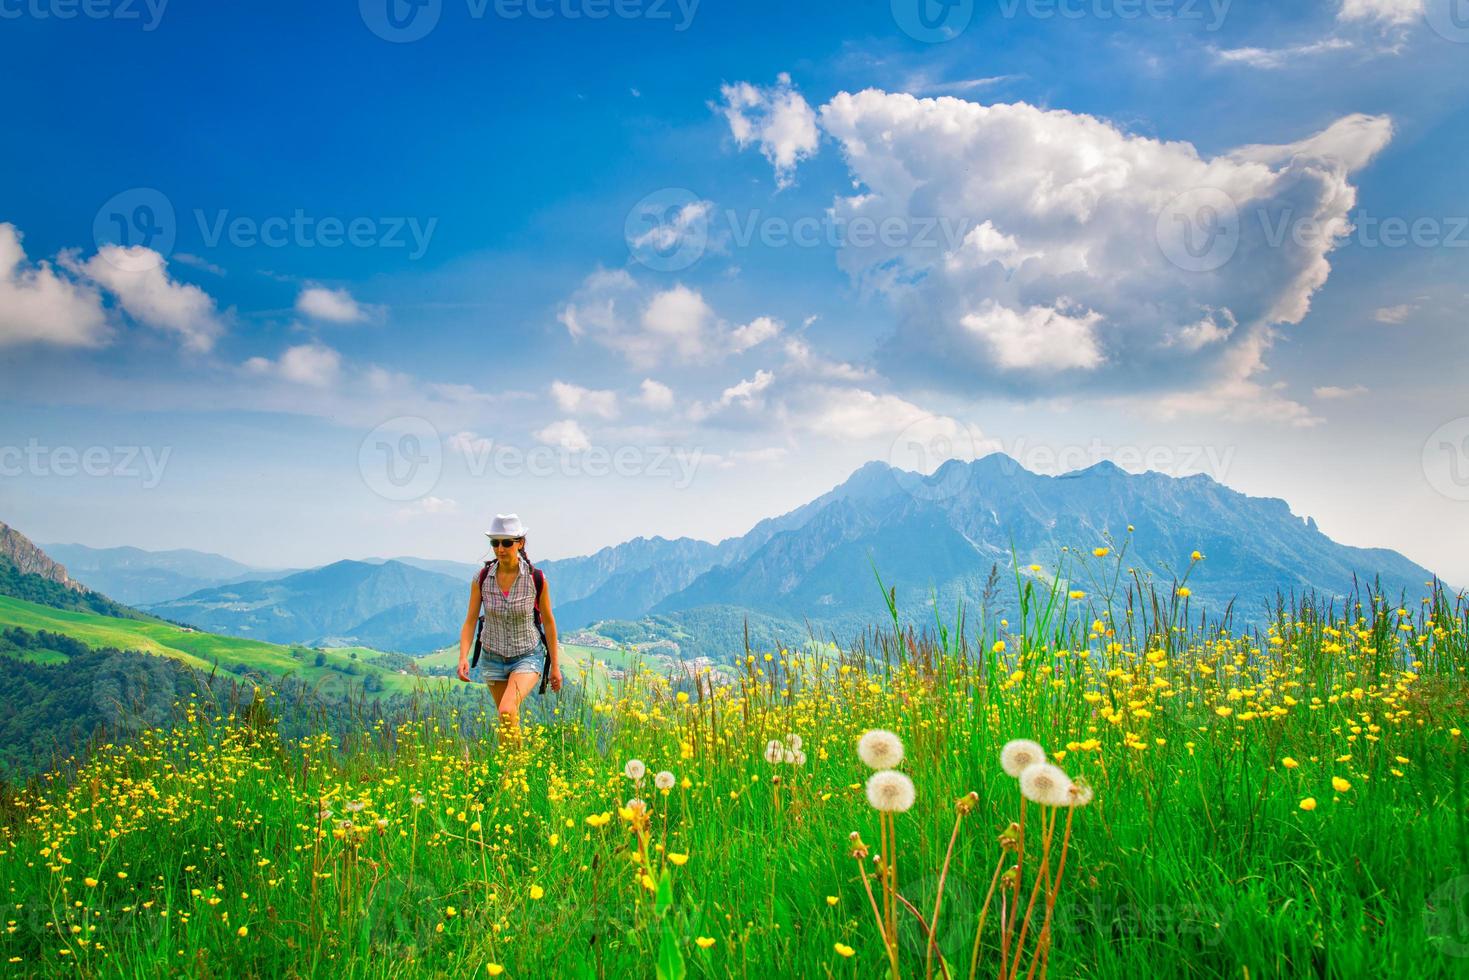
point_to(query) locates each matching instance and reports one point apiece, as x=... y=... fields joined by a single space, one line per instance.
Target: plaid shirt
x=510 y=626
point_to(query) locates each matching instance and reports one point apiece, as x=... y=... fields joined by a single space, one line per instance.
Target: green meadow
x=1287 y=803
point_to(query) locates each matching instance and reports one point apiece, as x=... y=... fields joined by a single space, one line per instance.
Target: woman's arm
x=553 y=647
x=466 y=632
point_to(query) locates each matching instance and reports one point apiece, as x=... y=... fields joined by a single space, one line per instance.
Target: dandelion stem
x=1044 y=943
x=939 y=898
x=983 y=914
x=1008 y=923
x=1046 y=830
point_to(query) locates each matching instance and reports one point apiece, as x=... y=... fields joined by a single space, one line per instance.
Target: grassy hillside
x=204 y=651
x=1287 y=805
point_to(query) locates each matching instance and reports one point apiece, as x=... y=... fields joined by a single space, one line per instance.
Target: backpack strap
x=480 y=625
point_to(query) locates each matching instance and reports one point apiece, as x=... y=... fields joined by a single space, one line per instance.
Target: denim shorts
x=493 y=667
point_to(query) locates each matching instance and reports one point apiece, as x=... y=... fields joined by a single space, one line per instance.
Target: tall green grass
x=422 y=846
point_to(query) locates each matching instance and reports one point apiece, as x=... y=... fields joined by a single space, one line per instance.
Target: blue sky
x=570 y=291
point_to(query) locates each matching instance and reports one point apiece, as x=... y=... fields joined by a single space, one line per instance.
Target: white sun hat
x=506 y=526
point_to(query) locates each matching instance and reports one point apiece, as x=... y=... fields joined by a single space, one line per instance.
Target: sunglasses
x=502 y=542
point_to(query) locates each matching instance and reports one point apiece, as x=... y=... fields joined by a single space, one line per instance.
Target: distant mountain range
x=933 y=538
x=137 y=576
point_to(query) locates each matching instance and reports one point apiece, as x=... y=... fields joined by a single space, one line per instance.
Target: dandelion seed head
x=794 y=741
x=1045 y=784
x=664 y=780
x=890 y=791
x=1080 y=793
x=635 y=770
x=1019 y=753
x=880 y=749
x=773 y=750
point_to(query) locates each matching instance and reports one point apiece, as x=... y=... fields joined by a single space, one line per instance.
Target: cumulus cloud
x=775 y=118
x=565 y=434
x=655 y=395
x=578 y=400
x=757 y=331
x=39 y=305
x=649 y=326
x=138 y=278
x=331 y=305
x=1049 y=252
x=314 y=365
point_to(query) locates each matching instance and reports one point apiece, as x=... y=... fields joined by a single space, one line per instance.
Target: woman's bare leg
x=508 y=695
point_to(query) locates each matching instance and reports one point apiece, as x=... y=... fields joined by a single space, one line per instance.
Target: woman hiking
x=509 y=591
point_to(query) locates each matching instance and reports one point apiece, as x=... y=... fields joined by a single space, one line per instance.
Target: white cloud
x=747 y=391
x=655 y=395
x=690 y=223
x=138 y=278
x=38 y=305
x=314 y=364
x=1234 y=394
x=650 y=327
x=1333 y=392
x=565 y=434
x=802 y=360
x=576 y=399
x=331 y=305
x=198 y=262
x=776 y=118
x=1395 y=314
x=1038 y=338
x=1063 y=241
x=1393 y=12
x=678 y=320
x=733 y=458
x=1214 y=327
x=428 y=506
x=470 y=445
x=757 y=331
x=1270 y=58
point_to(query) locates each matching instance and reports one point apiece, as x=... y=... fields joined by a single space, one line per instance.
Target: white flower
x=635 y=770
x=794 y=741
x=773 y=751
x=890 y=791
x=664 y=780
x=354 y=806
x=799 y=758
x=1019 y=753
x=787 y=755
x=1080 y=794
x=880 y=749
x=418 y=799
x=1046 y=784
